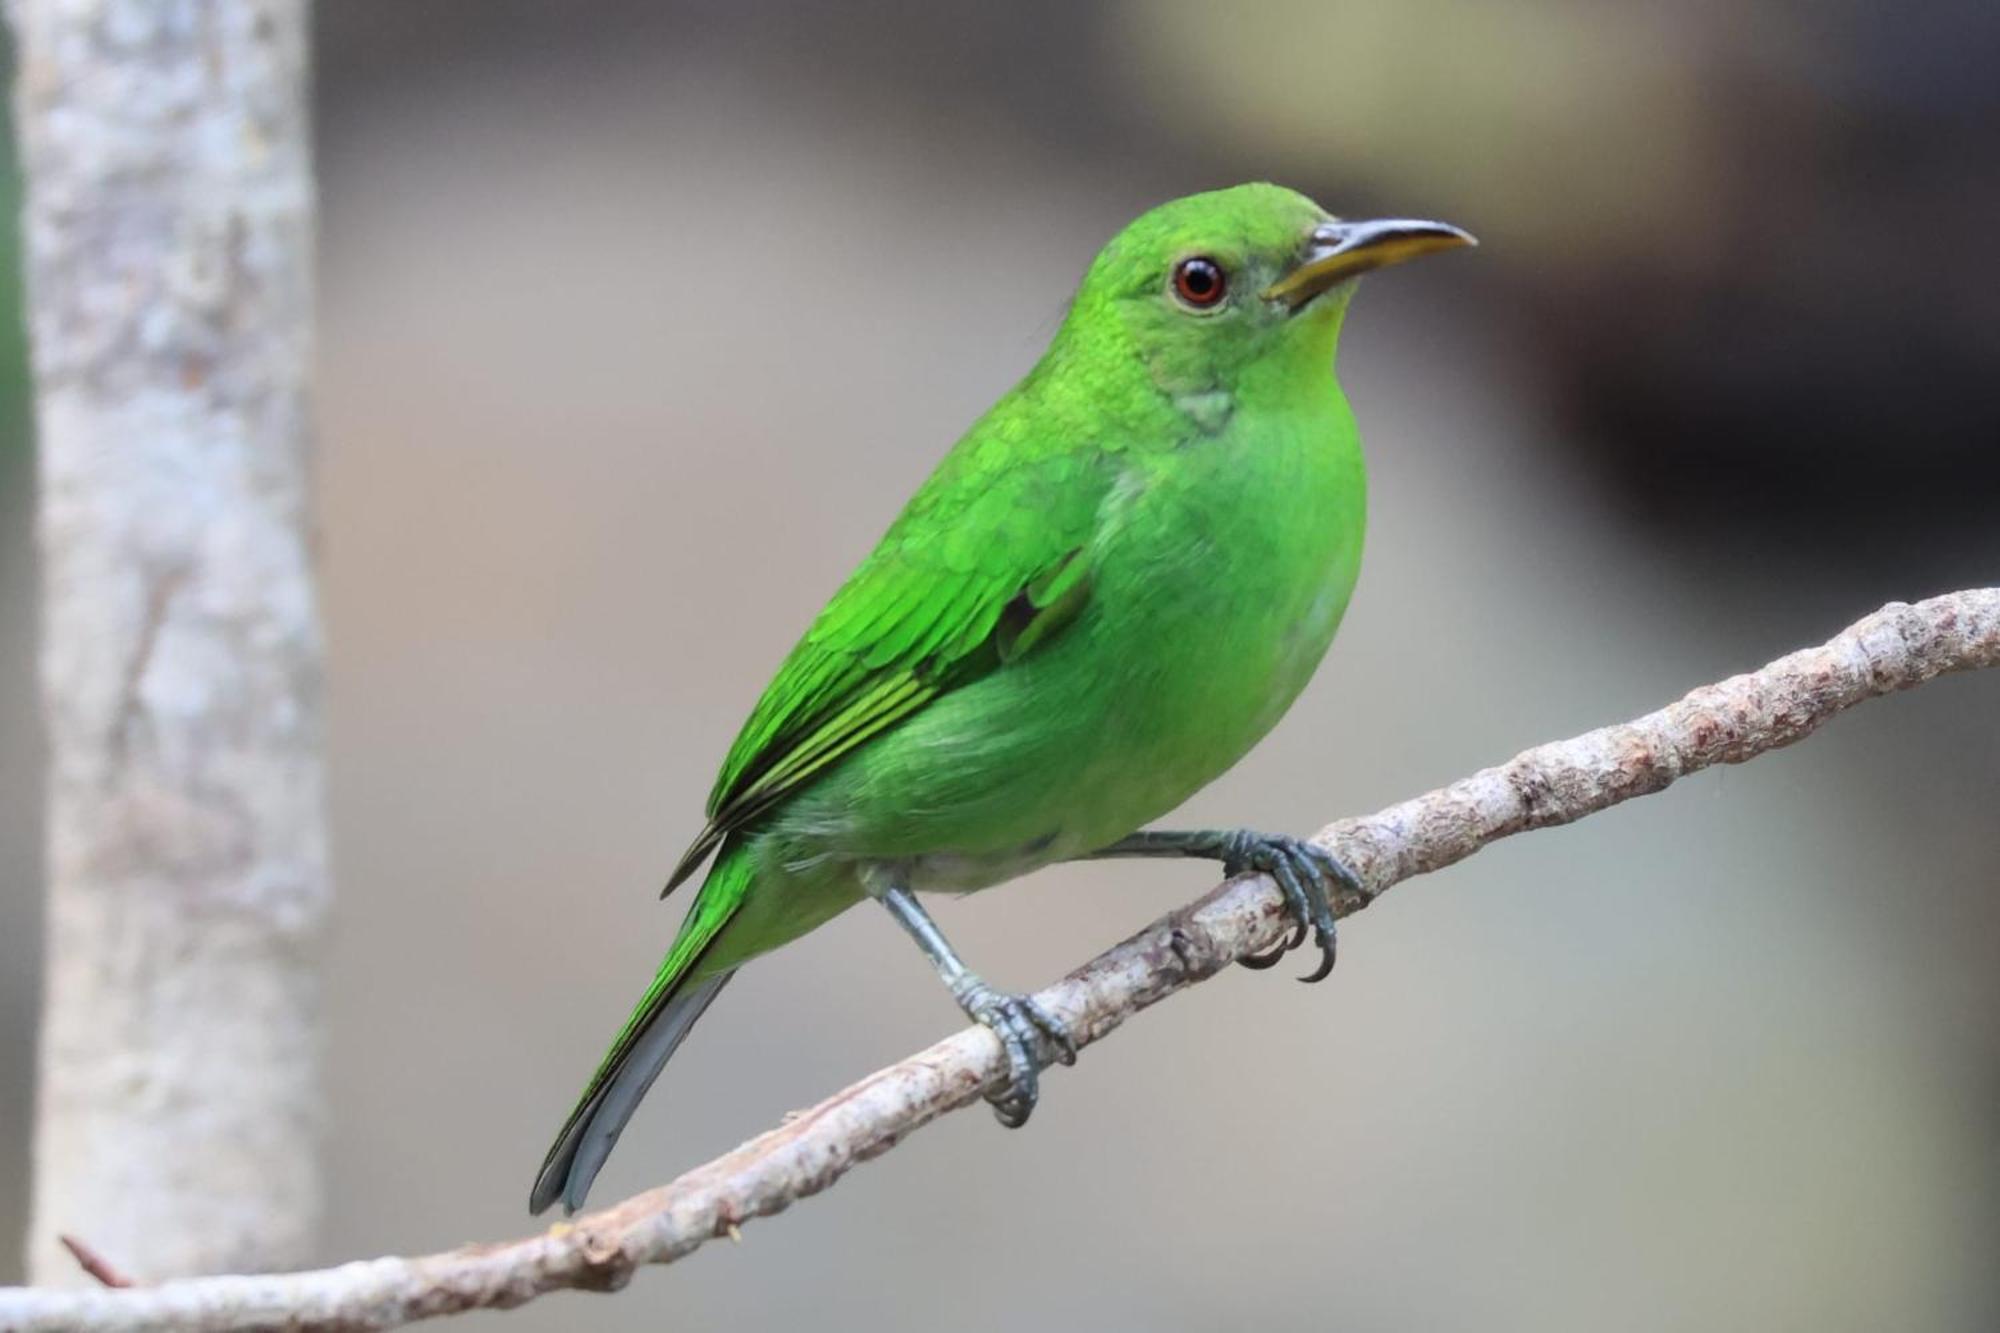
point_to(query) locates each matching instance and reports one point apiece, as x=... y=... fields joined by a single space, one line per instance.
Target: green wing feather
x=989 y=560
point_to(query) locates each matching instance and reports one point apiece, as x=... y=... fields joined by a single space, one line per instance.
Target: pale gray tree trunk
x=168 y=239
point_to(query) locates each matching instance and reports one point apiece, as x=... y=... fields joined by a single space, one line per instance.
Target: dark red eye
x=1200 y=282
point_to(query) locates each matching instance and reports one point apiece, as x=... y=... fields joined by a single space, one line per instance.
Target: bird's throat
x=1209 y=409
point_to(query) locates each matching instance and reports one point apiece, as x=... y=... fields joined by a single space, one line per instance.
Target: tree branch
x=1894 y=649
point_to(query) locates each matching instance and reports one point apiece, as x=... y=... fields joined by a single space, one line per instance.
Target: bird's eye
x=1200 y=283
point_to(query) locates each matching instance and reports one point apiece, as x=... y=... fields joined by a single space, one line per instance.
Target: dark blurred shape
x=1813 y=328
x=1832 y=350
x=1038 y=66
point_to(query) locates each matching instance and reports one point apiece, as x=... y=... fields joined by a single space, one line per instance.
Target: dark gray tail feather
x=594 y=1127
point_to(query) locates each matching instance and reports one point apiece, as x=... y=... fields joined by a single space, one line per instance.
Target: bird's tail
x=677 y=997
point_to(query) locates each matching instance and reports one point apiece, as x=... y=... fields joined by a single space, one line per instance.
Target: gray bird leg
x=1306 y=873
x=1020 y=1023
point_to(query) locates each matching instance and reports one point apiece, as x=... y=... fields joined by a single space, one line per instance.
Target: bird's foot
x=1307 y=874
x=1022 y=1026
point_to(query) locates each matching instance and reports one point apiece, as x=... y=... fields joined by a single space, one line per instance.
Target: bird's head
x=1216 y=291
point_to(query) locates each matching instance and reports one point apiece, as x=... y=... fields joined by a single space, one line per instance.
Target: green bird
x=1109 y=590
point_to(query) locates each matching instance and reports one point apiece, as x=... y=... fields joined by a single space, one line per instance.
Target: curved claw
x=1013 y=1104
x=1020 y=1023
x=1319 y=908
x=1012 y=1112
x=1326 y=959
x=1257 y=962
x=1295 y=864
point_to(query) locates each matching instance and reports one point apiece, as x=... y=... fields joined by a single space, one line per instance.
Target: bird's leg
x=1020 y=1023
x=1306 y=873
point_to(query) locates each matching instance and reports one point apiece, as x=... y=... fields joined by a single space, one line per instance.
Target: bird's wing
x=989 y=560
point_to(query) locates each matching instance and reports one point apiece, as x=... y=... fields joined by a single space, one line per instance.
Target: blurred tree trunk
x=168 y=237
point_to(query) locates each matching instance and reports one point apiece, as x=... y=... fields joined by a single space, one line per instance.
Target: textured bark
x=168 y=248
x=1894 y=649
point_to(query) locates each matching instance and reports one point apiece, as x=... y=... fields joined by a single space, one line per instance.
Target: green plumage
x=1107 y=592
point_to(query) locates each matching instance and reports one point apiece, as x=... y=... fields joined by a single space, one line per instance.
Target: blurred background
x=639 y=320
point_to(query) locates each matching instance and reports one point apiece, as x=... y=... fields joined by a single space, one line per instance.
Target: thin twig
x=93 y=1263
x=1894 y=649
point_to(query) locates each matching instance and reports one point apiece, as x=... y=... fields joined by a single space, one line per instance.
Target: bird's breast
x=1218 y=575
x=1224 y=578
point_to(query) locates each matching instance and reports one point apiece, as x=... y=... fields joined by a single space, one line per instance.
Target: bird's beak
x=1337 y=251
